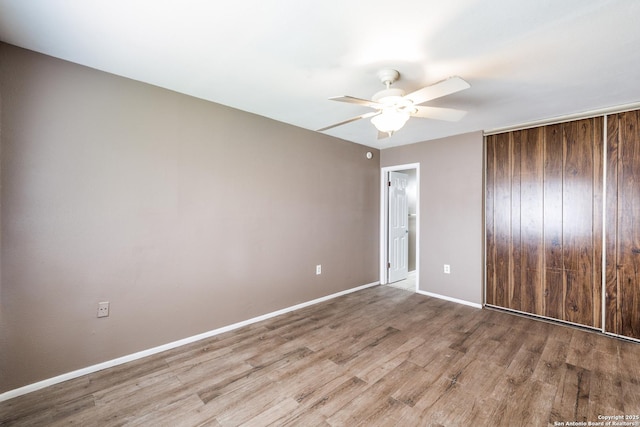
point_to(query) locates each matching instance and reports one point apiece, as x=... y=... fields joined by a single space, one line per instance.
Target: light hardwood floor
x=381 y=356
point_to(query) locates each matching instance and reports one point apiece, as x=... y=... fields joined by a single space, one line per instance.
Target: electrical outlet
x=318 y=269
x=447 y=269
x=103 y=309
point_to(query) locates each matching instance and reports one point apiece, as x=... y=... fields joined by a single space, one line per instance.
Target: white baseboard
x=139 y=355
x=456 y=300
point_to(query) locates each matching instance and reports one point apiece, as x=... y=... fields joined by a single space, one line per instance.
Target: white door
x=398 y=227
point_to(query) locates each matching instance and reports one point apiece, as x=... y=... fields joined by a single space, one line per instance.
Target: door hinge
x=389 y=183
x=388 y=265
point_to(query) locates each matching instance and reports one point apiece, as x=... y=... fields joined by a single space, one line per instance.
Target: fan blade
x=437 y=90
x=354 y=100
x=438 y=113
x=353 y=119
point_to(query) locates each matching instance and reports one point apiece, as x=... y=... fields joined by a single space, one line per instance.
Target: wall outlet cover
x=103 y=309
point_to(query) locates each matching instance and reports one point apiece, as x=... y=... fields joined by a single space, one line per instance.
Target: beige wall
x=450 y=212
x=185 y=215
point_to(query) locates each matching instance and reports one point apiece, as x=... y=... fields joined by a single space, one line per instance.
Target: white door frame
x=384 y=219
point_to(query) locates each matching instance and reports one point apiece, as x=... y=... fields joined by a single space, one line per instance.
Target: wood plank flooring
x=381 y=356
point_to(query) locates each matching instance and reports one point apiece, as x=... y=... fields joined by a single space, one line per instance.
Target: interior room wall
x=451 y=212
x=185 y=215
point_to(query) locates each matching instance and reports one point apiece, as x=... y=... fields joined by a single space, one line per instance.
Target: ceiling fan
x=393 y=108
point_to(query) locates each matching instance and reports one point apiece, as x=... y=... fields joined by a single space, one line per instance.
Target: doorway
x=399 y=225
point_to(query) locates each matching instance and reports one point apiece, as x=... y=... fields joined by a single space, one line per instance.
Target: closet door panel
x=502 y=220
x=611 y=272
x=515 y=282
x=531 y=222
x=598 y=218
x=578 y=222
x=629 y=224
x=553 y=253
x=543 y=229
x=490 y=247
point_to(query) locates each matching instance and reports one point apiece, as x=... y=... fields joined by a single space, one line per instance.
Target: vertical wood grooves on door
x=556 y=288
x=490 y=170
x=612 y=307
x=598 y=177
x=603 y=265
x=515 y=261
x=543 y=214
x=628 y=236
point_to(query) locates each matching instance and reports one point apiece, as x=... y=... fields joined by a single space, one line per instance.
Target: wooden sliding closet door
x=544 y=221
x=623 y=225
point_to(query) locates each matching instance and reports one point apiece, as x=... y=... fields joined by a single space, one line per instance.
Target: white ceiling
x=526 y=60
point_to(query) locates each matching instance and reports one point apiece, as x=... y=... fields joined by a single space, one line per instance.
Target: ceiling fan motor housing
x=391 y=98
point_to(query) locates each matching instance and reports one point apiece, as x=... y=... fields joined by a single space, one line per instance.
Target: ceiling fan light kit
x=394 y=108
x=390 y=120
